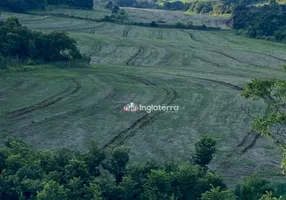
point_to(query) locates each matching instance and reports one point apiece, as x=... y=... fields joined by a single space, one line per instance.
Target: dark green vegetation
x=105 y=175
x=88 y=4
x=268 y=22
x=168 y=5
x=21 y=45
x=25 y=5
x=211 y=7
x=22 y=5
x=205 y=150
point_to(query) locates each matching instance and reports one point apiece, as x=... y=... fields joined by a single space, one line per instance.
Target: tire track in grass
x=246 y=147
x=133 y=58
x=235 y=87
x=81 y=29
x=227 y=56
x=259 y=53
x=229 y=85
x=165 y=59
x=208 y=61
x=107 y=97
x=231 y=57
x=138 y=124
x=248 y=142
x=248 y=51
x=191 y=36
x=91 y=28
x=34 y=19
x=160 y=35
x=171 y=96
x=220 y=54
x=170 y=92
x=47 y=102
x=126 y=31
x=99 y=45
x=271 y=56
x=16 y=85
x=11 y=87
x=51 y=117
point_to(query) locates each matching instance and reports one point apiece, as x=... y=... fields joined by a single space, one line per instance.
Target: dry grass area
x=148 y=15
x=203 y=72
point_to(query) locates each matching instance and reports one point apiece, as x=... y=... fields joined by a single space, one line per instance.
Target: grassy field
x=161 y=2
x=267 y=3
x=98 y=13
x=172 y=17
x=135 y=15
x=203 y=72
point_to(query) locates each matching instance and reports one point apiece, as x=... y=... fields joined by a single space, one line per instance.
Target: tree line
x=167 y=5
x=201 y=7
x=22 y=5
x=25 y=5
x=268 y=21
x=88 y=4
x=204 y=7
x=18 y=43
x=107 y=175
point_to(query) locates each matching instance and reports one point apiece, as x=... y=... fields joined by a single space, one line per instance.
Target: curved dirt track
x=171 y=96
x=73 y=88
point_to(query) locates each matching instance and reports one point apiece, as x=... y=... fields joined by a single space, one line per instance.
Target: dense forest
x=267 y=22
x=19 y=44
x=73 y=3
x=24 y=5
x=64 y=174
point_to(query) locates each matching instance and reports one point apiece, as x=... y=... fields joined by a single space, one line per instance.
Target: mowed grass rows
x=201 y=71
x=168 y=16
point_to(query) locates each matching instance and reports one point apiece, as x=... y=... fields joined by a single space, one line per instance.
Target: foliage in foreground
x=268 y=196
x=272 y=122
x=96 y=175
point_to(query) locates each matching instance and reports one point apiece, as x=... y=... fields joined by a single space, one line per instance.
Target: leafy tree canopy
x=18 y=42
